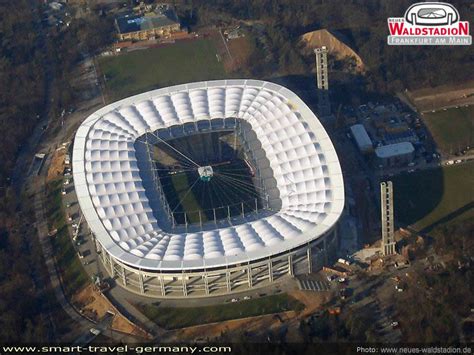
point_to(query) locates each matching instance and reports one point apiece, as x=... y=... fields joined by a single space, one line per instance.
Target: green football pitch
x=143 y=70
x=229 y=191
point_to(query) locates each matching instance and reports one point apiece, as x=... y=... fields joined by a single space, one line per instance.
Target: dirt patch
x=241 y=49
x=252 y=325
x=313 y=301
x=94 y=305
x=234 y=54
x=122 y=324
x=91 y=301
x=224 y=53
x=56 y=167
x=444 y=96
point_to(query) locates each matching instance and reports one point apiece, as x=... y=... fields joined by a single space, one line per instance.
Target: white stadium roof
x=121 y=212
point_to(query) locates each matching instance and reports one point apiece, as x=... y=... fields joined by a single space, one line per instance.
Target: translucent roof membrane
x=112 y=194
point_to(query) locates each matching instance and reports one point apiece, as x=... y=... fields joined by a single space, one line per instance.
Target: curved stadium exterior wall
x=120 y=201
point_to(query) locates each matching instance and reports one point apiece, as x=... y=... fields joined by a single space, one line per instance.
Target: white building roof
x=124 y=216
x=361 y=137
x=394 y=150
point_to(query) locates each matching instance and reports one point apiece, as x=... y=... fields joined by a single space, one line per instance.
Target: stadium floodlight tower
x=388 y=238
x=322 y=81
x=205 y=173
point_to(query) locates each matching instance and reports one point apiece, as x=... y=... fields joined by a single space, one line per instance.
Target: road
x=47 y=248
x=93 y=266
x=36 y=183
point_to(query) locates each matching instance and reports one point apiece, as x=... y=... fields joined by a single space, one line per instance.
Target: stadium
x=208 y=188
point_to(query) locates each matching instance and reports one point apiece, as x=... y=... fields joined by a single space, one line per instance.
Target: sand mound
x=336 y=47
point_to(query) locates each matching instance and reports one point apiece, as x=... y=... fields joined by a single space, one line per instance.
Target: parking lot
x=313 y=285
x=77 y=227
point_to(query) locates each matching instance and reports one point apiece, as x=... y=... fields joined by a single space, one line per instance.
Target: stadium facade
x=129 y=218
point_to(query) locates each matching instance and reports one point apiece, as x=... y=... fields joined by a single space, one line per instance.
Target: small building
x=395 y=154
x=362 y=139
x=148 y=26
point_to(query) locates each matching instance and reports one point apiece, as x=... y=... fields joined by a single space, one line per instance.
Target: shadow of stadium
x=449 y=217
x=417 y=194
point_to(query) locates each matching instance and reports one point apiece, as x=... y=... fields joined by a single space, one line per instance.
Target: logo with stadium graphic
x=429 y=24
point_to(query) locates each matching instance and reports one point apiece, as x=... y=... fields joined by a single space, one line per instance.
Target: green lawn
x=429 y=198
x=73 y=274
x=55 y=207
x=452 y=129
x=224 y=193
x=173 y=318
x=229 y=191
x=188 y=202
x=143 y=70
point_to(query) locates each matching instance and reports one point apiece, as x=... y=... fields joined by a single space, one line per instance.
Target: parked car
x=95 y=331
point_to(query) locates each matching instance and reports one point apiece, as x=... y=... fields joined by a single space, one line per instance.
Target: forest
x=363 y=23
x=36 y=69
x=22 y=98
x=22 y=78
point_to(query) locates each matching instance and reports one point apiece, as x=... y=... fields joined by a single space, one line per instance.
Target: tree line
x=37 y=66
x=22 y=79
x=364 y=25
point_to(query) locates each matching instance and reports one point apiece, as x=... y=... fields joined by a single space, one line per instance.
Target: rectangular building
x=395 y=154
x=149 y=26
x=362 y=139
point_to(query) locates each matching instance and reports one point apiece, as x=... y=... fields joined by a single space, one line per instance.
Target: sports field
x=452 y=129
x=143 y=70
x=430 y=198
x=229 y=192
